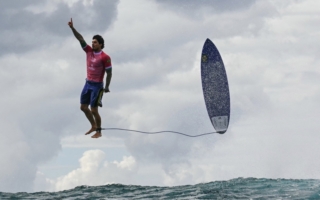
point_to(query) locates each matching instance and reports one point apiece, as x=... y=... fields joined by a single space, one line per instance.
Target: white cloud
x=127 y=163
x=95 y=170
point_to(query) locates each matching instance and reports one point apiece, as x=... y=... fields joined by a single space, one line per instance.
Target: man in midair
x=98 y=63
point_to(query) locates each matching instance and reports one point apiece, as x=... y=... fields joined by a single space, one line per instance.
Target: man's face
x=96 y=45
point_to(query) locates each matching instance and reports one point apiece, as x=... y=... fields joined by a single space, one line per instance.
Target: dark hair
x=100 y=40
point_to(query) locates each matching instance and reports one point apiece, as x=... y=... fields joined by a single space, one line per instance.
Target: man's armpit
x=109 y=69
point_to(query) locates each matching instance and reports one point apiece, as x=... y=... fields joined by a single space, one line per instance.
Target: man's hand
x=106 y=90
x=76 y=34
x=70 y=23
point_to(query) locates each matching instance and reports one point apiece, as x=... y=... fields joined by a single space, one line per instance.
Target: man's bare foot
x=93 y=129
x=97 y=135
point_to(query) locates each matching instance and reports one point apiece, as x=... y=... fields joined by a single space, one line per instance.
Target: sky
x=271 y=54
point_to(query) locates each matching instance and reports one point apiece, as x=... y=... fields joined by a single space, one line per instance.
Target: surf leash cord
x=145 y=132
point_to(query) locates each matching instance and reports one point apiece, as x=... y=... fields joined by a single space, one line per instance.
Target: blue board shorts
x=92 y=93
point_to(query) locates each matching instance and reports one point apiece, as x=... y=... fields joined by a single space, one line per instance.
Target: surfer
x=98 y=63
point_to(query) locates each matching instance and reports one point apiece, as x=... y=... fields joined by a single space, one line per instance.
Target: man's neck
x=97 y=51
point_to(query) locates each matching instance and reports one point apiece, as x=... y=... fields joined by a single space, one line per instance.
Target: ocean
x=239 y=188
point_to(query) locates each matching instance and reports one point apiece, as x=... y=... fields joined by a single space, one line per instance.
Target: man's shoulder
x=106 y=58
x=105 y=55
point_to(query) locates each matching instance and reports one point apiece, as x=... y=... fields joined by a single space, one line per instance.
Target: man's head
x=97 y=43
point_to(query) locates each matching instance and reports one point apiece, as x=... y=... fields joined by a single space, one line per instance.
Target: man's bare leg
x=95 y=113
x=90 y=117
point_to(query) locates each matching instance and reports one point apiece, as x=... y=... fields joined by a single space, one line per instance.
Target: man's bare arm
x=108 y=80
x=76 y=33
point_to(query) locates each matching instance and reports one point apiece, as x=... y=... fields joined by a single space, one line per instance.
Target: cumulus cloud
x=95 y=170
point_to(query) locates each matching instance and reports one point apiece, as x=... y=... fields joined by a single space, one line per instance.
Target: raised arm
x=76 y=34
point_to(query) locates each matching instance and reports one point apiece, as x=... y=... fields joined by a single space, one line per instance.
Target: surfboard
x=215 y=87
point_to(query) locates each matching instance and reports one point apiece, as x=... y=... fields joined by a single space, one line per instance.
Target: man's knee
x=84 y=108
x=94 y=111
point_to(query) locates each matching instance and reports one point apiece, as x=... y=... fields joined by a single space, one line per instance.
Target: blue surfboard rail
x=215 y=87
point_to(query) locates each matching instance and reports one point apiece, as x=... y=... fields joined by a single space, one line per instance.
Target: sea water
x=240 y=188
